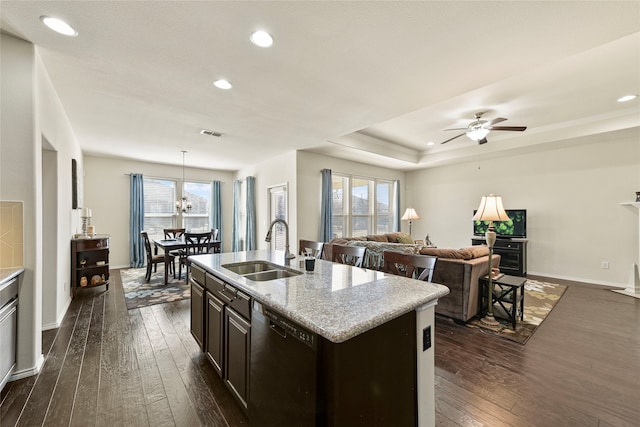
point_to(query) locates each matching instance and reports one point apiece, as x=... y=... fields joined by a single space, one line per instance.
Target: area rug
x=539 y=300
x=138 y=293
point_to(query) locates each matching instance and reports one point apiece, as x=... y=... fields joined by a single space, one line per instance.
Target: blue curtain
x=326 y=215
x=251 y=214
x=396 y=205
x=136 y=221
x=236 y=243
x=216 y=207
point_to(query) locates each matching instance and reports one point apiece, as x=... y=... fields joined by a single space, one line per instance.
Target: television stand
x=513 y=254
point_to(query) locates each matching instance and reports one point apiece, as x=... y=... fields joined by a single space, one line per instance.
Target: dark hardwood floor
x=106 y=365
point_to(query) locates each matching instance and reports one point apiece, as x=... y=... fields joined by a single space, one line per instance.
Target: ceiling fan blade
x=451 y=139
x=513 y=128
x=494 y=121
x=456 y=129
x=483 y=141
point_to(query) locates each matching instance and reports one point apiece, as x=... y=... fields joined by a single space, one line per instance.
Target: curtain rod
x=176 y=179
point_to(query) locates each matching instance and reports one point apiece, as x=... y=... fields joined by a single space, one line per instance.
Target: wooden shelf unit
x=89 y=259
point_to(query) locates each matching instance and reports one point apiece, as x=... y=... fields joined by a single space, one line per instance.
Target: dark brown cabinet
x=89 y=262
x=224 y=314
x=237 y=345
x=215 y=325
x=197 y=311
x=513 y=255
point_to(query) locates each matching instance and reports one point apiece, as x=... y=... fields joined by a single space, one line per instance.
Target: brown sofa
x=458 y=269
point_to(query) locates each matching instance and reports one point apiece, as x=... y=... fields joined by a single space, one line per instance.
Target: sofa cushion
x=478 y=251
x=471 y=252
x=377 y=238
x=447 y=253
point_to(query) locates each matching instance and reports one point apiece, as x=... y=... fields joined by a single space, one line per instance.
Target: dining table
x=168 y=245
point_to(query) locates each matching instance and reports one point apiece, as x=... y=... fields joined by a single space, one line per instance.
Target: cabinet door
x=215 y=326
x=197 y=312
x=237 y=346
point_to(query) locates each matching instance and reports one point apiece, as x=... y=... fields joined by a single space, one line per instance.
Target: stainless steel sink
x=249 y=267
x=263 y=276
x=261 y=271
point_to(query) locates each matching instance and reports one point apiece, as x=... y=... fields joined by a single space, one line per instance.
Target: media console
x=513 y=254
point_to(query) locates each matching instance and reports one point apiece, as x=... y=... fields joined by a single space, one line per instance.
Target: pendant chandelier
x=183 y=206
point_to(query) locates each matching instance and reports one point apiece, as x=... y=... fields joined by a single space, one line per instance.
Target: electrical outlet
x=605 y=264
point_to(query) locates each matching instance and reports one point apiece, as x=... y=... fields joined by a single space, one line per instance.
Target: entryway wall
x=49 y=245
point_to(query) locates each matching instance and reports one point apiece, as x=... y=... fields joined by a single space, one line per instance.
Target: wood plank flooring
x=107 y=365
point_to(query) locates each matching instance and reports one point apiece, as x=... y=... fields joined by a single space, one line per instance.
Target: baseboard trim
x=577 y=279
x=58 y=322
x=25 y=373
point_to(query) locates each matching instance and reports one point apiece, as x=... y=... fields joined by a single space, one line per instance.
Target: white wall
x=309 y=179
x=107 y=189
x=20 y=169
x=276 y=171
x=56 y=129
x=572 y=195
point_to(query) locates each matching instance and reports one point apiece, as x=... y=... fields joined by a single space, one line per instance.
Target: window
x=278 y=209
x=160 y=196
x=199 y=194
x=159 y=206
x=369 y=207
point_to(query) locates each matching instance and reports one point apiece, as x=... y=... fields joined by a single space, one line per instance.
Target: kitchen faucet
x=287 y=255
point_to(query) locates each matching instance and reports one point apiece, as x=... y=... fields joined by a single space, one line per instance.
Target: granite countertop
x=337 y=301
x=6 y=274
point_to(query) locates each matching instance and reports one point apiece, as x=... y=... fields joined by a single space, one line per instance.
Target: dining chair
x=195 y=243
x=215 y=246
x=173 y=233
x=310 y=245
x=153 y=260
x=409 y=265
x=350 y=255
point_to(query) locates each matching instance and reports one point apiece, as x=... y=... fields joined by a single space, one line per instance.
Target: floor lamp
x=409 y=215
x=490 y=209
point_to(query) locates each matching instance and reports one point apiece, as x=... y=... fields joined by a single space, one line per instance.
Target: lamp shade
x=410 y=214
x=491 y=209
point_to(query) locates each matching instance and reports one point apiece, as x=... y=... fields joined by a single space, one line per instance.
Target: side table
x=508 y=297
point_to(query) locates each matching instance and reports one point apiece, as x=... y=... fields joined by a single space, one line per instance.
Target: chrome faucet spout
x=287 y=254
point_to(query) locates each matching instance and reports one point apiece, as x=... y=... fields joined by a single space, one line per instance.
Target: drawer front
x=242 y=304
x=198 y=274
x=214 y=284
x=91 y=244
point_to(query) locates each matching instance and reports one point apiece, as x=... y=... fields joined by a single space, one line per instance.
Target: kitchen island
x=341 y=346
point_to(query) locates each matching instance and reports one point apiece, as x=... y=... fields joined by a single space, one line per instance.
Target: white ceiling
x=368 y=81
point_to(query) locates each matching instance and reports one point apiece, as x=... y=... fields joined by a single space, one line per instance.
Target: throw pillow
x=405 y=238
x=377 y=238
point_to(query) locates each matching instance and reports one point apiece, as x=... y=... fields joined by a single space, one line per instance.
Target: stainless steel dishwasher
x=8 y=329
x=283 y=371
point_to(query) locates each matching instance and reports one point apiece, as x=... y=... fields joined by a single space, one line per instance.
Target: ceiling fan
x=479 y=129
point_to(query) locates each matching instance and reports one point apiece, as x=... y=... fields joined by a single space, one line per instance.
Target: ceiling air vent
x=211 y=133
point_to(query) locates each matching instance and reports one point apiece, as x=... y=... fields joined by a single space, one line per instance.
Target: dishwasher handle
x=277 y=329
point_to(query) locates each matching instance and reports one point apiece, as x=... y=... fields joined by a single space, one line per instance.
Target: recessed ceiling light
x=261 y=38
x=59 y=26
x=431 y=143
x=222 y=84
x=627 y=98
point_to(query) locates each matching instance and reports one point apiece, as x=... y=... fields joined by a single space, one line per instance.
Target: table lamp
x=409 y=215
x=490 y=209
